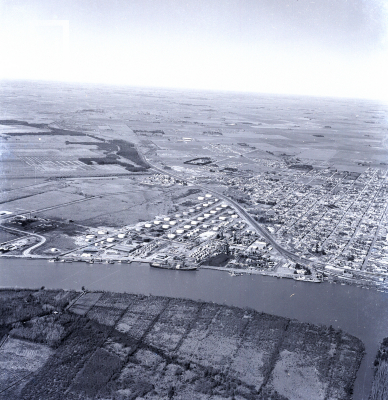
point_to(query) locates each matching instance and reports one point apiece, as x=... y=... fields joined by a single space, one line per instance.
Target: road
x=243 y=214
x=365 y=263
x=26 y=253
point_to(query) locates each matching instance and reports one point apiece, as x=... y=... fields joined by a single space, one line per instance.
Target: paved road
x=26 y=253
x=365 y=263
x=248 y=218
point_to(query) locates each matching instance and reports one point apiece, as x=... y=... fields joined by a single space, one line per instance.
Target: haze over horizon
x=322 y=48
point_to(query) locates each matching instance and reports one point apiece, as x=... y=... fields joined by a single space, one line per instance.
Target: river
x=360 y=312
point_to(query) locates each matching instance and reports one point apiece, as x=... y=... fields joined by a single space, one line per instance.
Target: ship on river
x=177 y=266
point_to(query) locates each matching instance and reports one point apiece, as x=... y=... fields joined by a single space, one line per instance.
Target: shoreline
x=102 y=314
x=237 y=271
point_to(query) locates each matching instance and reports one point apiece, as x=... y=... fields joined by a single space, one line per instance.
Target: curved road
x=248 y=218
x=26 y=253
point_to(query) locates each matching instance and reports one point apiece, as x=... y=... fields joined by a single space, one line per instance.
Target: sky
x=319 y=48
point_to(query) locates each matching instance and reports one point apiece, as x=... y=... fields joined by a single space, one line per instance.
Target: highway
x=243 y=214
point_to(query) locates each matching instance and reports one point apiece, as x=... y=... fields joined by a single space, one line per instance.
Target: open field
x=309 y=175
x=62 y=209
x=120 y=345
x=267 y=153
x=206 y=124
x=18 y=360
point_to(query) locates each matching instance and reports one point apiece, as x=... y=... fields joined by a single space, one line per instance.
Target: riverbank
x=158 y=346
x=362 y=313
x=380 y=382
x=278 y=273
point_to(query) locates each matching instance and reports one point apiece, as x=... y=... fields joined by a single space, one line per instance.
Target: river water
x=360 y=312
